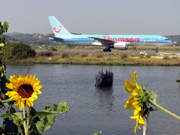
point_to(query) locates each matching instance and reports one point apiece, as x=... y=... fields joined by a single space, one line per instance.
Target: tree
x=18 y=50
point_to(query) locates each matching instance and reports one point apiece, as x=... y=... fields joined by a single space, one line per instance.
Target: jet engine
x=120 y=46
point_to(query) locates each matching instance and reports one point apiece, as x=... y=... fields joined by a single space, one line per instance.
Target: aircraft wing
x=103 y=41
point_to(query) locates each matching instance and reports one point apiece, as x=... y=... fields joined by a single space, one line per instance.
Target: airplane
x=120 y=42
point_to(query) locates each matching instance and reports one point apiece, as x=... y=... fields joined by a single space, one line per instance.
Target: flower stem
x=145 y=126
x=28 y=112
x=25 y=126
x=163 y=109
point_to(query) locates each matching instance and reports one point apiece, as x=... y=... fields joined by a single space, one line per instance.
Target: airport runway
x=95 y=51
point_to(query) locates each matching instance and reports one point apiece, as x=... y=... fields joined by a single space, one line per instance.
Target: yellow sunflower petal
x=20 y=79
x=34 y=96
x=20 y=76
x=11 y=93
x=13 y=79
x=29 y=103
x=17 y=103
x=139 y=127
x=141 y=121
x=137 y=110
x=30 y=79
x=134 y=77
x=34 y=77
x=15 y=98
x=133 y=117
x=38 y=92
x=10 y=86
x=137 y=124
x=38 y=87
x=21 y=104
x=27 y=79
x=129 y=103
x=129 y=86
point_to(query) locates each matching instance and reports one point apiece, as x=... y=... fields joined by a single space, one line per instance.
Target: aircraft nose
x=170 y=42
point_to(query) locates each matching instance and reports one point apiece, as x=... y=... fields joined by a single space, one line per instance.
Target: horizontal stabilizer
x=56 y=38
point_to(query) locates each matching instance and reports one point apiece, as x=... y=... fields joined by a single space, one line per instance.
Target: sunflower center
x=25 y=90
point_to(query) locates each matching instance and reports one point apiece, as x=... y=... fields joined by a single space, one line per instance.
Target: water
x=94 y=109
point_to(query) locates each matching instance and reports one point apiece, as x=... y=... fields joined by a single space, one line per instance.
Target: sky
x=142 y=17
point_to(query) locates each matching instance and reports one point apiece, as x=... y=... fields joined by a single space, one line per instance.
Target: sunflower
x=134 y=100
x=24 y=90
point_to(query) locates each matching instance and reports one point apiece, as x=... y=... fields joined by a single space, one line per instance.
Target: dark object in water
x=104 y=79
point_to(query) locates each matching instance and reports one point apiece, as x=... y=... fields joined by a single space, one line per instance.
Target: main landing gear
x=107 y=49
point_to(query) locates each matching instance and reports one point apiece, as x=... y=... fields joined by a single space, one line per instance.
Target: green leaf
x=178 y=81
x=63 y=107
x=7 y=115
x=98 y=133
x=46 y=116
x=17 y=119
x=46 y=121
x=40 y=126
x=5 y=26
x=50 y=119
x=18 y=115
x=48 y=108
x=55 y=107
x=2 y=39
x=153 y=96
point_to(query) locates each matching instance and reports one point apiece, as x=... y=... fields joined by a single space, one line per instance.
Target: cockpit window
x=166 y=39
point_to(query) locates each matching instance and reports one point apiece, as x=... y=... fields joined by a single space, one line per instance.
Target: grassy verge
x=102 y=59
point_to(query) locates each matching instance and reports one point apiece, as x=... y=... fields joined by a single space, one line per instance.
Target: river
x=93 y=109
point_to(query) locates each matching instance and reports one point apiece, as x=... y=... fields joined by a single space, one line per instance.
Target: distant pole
x=179 y=79
x=157 y=49
x=28 y=70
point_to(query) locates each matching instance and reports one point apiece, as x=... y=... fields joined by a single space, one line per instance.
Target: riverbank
x=125 y=58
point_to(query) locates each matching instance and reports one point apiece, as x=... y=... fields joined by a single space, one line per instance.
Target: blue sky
x=160 y=17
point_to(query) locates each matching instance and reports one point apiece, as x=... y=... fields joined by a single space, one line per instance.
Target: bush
x=99 y=55
x=18 y=50
x=48 y=54
x=152 y=54
x=174 y=57
x=134 y=47
x=65 y=55
x=52 y=49
x=124 y=56
x=84 y=55
x=166 y=57
x=141 y=56
x=148 y=56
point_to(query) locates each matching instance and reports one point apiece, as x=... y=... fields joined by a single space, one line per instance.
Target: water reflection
x=105 y=97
